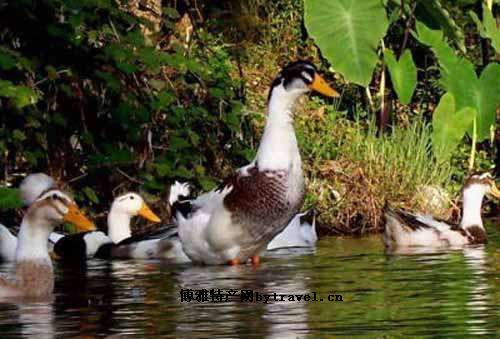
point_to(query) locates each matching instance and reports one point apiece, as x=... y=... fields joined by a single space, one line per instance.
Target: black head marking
x=300 y=69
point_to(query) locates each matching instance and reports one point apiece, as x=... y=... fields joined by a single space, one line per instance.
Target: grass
x=352 y=173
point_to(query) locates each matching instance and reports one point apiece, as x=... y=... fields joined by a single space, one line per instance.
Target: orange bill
x=494 y=191
x=147 y=214
x=77 y=218
x=319 y=85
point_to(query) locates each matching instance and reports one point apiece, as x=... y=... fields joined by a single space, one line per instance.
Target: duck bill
x=147 y=214
x=77 y=218
x=319 y=85
x=494 y=191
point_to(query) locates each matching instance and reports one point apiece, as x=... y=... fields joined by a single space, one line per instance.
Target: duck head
x=55 y=207
x=132 y=204
x=300 y=77
x=123 y=209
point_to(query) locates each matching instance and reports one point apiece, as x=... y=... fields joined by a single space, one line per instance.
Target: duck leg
x=233 y=262
x=255 y=260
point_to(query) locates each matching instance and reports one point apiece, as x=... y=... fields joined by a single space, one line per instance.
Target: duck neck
x=33 y=241
x=472 y=201
x=278 y=148
x=118 y=225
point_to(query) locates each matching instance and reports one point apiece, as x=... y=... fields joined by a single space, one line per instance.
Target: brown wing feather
x=258 y=202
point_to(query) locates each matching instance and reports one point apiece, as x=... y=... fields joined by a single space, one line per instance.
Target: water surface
x=450 y=293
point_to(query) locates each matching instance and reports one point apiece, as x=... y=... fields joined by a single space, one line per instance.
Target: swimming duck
x=298 y=233
x=407 y=229
x=119 y=243
x=34 y=277
x=236 y=221
x=32 y=187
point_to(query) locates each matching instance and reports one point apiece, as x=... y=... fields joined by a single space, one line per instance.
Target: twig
x=77 y=178
x=137 y=181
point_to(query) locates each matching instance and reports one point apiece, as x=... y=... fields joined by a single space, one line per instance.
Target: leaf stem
x=473 y=147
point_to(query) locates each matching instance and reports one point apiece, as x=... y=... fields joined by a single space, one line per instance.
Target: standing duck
x=32 y=187
x=236 y=221
x=406 y=229
x=34 y=277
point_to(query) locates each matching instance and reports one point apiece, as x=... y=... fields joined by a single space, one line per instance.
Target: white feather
x=8 y=244
x=34 y=185
x=178 y=189
x=94 y=240
x=295 y=235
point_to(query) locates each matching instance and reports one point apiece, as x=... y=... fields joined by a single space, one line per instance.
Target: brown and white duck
x=34 y=277
x=405 y=229
x=32 y=187
x=236 y=221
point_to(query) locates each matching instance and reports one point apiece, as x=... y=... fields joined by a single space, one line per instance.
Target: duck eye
x=131 y=198
x=54 y=196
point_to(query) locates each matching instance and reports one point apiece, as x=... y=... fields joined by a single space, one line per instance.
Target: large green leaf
x=459 y=78
x=403 y=74
x=488 y=28
x=489 y=83
x=348 y=33
x=449 y=126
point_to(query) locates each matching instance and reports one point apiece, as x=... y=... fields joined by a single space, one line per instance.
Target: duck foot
x=255 y=260
x=233 y=262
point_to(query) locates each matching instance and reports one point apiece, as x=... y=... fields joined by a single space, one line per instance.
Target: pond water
x=396 y=295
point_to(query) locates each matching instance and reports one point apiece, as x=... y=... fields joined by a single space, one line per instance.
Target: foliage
x=449 y=126
x=85 y=95
x=488 y=28
x=353 y=172
x=403 y=74
x=10 y=198
x=459 y=78
x=348 y=32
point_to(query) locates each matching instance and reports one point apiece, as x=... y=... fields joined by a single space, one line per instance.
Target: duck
x=34 y=276
x=406 y=229
x=32 y=187
x=119 y=242
x=234 y=223
x=298 y=233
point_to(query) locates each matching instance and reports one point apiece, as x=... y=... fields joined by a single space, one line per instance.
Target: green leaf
x=488 y=28
x=91 y=195
x=489 y=83
x=21 y=95
x=449 y=126
x=348 y=33
x=403 y=74
x=459 y=78
x=9 y=198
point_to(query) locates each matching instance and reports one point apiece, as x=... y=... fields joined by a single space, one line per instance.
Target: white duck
x=298 y=233
x=32 y=187
x=119 y=243
x=34 y=277
x=236 y=222
x=406 y=229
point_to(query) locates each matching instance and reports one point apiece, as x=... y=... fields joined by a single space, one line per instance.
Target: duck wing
x=163 y=232
x=257 y=201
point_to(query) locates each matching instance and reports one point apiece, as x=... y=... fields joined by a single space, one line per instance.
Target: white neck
x=33 y=241
x=278 y=148
x=118 y=225
x=472 y=201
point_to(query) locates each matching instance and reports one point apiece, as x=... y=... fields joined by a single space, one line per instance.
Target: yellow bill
x=494 y=191
x=319 y=85
x=146 y=213
x=77 y=218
